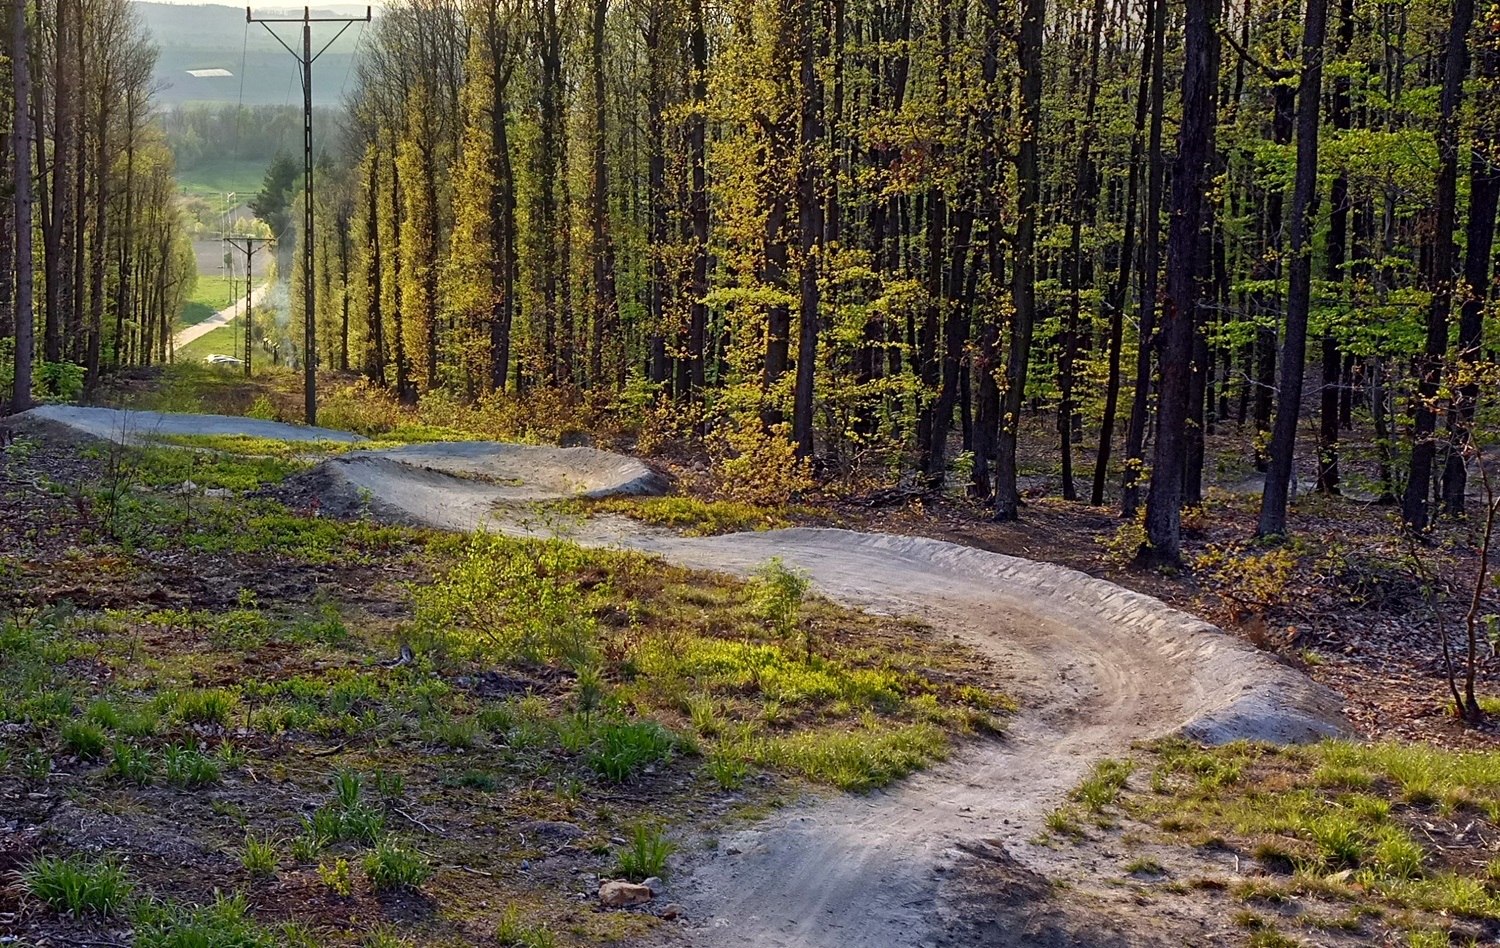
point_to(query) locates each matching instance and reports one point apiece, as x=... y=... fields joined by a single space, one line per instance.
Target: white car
x=222 y=360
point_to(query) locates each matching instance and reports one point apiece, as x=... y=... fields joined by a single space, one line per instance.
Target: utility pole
x=248 y=244
x=305 y=59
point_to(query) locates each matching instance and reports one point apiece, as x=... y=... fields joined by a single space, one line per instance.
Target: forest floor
x=1173 y=845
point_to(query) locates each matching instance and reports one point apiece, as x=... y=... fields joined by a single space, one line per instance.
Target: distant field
x=223 y=341
x=212 y=179
x=211 y=296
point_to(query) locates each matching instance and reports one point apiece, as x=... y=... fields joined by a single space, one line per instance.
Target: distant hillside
x=212 y=36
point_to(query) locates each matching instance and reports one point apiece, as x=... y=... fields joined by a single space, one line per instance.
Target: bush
x=70 y=884
x=756 y=466
x=646 y=856
x=626 y=748
x=388 y=866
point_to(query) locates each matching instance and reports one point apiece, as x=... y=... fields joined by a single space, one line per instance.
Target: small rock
x=617 y=840
x=656 y=886
x=218 y=492
x=671 y=910
x=552 y=829
x=616 y=893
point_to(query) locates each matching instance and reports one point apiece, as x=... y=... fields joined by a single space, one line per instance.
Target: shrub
x=626 y=748
x=70 y=884
x=779 y=591
x=646 y=856
x=756 y=466
x=389 y=866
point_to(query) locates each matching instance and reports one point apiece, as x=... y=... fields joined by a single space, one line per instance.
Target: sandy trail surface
x=1095 y=667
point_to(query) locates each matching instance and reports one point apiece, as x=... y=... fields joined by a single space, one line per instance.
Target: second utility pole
x=306 y=60
x=249 y=248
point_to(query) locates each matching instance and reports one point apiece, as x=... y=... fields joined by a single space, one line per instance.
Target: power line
x=309 y=286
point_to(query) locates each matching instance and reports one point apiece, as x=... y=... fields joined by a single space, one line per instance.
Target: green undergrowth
x=1393 y=836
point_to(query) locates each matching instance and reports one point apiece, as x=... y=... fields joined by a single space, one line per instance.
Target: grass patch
x=646 y=855
x=1382 y=826
x=73 y=885
x=694 y=517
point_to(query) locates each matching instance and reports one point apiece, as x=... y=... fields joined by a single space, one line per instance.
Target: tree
x=1283 y=446
x=279 y=186
x=1189 y=223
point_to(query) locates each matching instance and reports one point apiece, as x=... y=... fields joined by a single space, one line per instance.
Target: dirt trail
x=1094 y=665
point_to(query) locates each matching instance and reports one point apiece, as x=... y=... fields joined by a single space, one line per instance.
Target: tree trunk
x=1414 y=505
x=1189 y=184
x=1484 y=198
x=1115 y=303
x=1135 y=438
x=25 y=317
x=1023 y=271
x=810 y=226
x=1273 y=504
x=1338 y=235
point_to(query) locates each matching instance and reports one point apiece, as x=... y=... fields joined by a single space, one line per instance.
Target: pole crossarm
x=305 y=60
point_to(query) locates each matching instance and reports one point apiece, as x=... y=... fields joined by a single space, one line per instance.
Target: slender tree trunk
x=810 y=226
x=1085 y=196
x=1338 y=233
x=1135 y=437
x=1189 y=206
x=605 y=307
x=1414 y=505
x=1023 y=272
x=25 y=317
x=1283 y=448
x=698 y=159
x=1484 y=198
x=1115 y=303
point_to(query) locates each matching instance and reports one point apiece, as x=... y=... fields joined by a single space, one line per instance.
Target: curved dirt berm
x=456 y=485
x=130 y=426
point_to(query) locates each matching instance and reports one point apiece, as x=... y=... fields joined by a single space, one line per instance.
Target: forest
x=927 y=242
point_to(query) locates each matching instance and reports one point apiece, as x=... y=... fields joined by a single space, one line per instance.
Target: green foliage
x=646 y=855
x=260 y=857
x=513 y=600
x=1103 y=785
x=857 y=761
x=187 y=766
x=59 y=380
x=389 y=866
x=74 y=885
x=624 y=749
x=83 y=740
x=779 y=594
x=694 y=517
x=223 y=923
x=337 y=877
